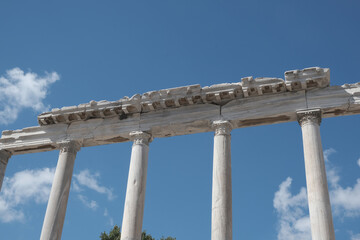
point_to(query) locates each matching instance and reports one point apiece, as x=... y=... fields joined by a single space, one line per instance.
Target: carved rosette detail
x=4 y=156
x=222 y=127
x=69 y=147
x=309 y=116
x=139 y=137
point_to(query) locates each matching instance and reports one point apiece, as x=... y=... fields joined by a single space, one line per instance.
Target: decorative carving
x=296 y=80
x=70 y=147
x=222 y=127
x=260 y=86
x=307 y=78
x=139 y=137
x=220 y=93
x=4 y=156
x=307 y=116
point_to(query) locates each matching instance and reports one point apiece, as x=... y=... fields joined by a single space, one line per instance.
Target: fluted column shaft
x=56 y=208
x=317 y=188
x=136 y=186
x=221 y=214
x=4 y=159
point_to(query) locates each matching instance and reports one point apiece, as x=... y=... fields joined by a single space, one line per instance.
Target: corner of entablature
x=5 y=156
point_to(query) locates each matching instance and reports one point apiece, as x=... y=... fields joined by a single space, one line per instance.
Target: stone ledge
x=240 y=112
x=220 y=94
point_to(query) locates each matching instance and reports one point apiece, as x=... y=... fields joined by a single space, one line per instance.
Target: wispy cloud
x=24 y=187
x=19 y=90
x=327 y=154
x=332 y=173
x=292 y=210
x=111 y=220
x=88 y=203
x=87 y=179
x=33 y=186
x=355 y=236
x=346 y=201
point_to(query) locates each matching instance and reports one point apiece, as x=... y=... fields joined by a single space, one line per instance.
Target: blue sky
x=71 y=52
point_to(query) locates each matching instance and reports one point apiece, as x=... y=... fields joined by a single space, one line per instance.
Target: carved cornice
x=69 y=147
x=333 y=101
x=4 y=156
x=139 y=137
x=222 y=127
x=220 y=94
x=309 y=116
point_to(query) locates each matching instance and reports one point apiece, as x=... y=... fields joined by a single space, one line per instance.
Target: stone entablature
x=219 y=94
x=107 y=126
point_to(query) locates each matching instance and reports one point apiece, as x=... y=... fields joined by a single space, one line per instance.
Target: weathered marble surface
x=307 y=78
x=136 y=186
x=56 y=208
x=189 y=95
x=321 y=221
x=4 y=158
x=221 y=209
x=260 y=86
x=188 y=110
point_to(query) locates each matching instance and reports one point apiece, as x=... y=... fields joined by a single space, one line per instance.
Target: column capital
x=222 y=127
x=307 y=116
x=4 y=156
x=140 y=137
x=70 y=146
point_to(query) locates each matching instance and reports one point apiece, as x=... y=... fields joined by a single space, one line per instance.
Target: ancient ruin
x=304 y=96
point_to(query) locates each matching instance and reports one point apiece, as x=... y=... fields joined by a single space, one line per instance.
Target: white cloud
x=76 y=187
x=358 y=162
x=355 y=236
x=88 y=203
x=327 y=154
x=332 y=172
x=346 y=201
x=111 y=220
x=89 y=180
x=29 y=186
x=292 y=212
x=8 y=213
x=20 y=90
x=22 y=188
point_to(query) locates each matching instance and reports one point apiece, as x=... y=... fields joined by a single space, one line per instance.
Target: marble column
x=136 y=185
x=221 y=212
x=317 y=188
x=4 y=158
x=56 y=208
